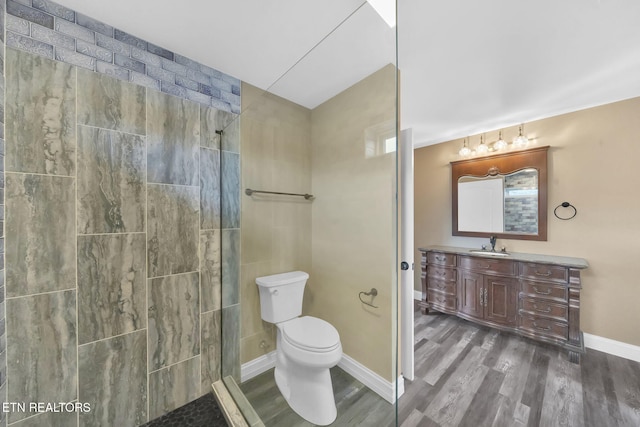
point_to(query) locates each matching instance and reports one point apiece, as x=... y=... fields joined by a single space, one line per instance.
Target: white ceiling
x=471 y=66
x=467 y=66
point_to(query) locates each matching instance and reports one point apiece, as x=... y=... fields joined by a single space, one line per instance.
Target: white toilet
x=306 y=348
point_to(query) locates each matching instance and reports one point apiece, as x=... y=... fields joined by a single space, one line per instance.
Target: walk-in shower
x=318 y=191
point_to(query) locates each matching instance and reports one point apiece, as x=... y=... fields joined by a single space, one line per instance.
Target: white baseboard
x=385 y=389
x=257 y=366
x=617 y=348
x=417 y=295
x=400 y=386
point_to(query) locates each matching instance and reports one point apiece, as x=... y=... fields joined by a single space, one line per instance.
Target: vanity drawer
x=544 y=327
x=442 y=286
x=541 y=307
x=544 y=290
x=489 y=265
x=548 y=273
x=441 y=273
x=440 y=258
x=441 y=300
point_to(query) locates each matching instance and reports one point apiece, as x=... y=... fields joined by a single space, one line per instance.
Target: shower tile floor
x=202 y=412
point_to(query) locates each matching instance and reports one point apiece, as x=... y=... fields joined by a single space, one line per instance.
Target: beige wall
x=276 y=230
x=593 y=163
x=353 y=242
x=345 y=237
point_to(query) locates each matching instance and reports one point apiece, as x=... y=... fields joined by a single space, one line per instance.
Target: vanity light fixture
x=465 y=151
x=520 y=141
x=500 y=144
x=482 y=148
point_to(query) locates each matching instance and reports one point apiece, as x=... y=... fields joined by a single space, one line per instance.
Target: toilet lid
x=311 y=333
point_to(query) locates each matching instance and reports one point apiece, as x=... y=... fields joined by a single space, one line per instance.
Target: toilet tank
x=281 y=295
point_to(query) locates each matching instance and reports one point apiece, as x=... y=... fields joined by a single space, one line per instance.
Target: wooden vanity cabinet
x=441 y=270
x=470 y=294
x=539 y=300
x=487 y=290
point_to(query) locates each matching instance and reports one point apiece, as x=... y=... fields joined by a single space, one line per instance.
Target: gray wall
x=122 y=223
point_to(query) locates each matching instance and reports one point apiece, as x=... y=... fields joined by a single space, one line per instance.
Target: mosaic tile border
x=48 y=29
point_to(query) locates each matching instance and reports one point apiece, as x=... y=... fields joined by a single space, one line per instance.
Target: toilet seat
x=311 y=334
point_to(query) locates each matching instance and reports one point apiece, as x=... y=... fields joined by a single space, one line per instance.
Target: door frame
x=407 y=364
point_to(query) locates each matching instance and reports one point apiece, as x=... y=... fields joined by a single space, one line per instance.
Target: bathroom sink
x=489 y=253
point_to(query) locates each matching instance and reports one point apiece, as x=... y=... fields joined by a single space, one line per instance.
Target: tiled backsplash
x=45 y=28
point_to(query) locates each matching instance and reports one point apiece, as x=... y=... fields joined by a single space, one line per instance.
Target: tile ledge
x=228 y=406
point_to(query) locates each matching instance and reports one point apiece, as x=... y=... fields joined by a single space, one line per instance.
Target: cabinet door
x=500 y=296
x=470 y=289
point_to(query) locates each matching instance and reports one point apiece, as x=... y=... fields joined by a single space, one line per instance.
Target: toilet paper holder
x=372 y=293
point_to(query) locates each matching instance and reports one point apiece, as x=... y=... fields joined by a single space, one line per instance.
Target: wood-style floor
x=469 y=375
x=356 y=404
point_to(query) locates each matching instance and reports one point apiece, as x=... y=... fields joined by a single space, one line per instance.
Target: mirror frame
x=504 y=163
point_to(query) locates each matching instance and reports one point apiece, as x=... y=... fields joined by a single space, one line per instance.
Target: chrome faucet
x=492 y=240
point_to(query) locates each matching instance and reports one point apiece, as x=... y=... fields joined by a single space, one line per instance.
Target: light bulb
x=465 y=151
x=482 y=148
x=520 y=141
x=500 y=144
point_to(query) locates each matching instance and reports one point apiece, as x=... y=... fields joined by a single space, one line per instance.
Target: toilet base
x=309 y=392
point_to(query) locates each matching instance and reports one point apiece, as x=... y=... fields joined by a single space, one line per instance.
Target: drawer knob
x=548 y=310
x=547 y=274
x=538 y=291
x=542 y=328
x=440 y=258
x=486 y=266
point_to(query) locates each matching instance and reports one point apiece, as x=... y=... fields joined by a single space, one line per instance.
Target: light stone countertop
x=516 y=256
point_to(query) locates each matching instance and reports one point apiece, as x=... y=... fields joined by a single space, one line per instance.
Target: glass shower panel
x=327 y=130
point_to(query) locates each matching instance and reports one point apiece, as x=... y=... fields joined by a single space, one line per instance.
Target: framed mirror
x=503 y=195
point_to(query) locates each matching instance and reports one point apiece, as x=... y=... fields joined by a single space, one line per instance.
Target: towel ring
x=372 y=293
x=565 y=205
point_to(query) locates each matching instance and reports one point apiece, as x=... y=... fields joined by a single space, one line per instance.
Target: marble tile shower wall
x=50 y=30
x=122 y=232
